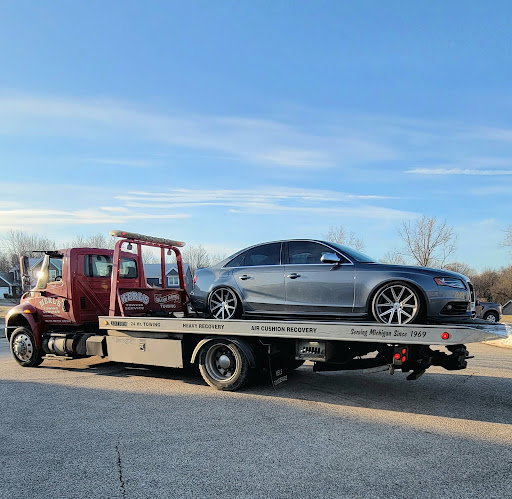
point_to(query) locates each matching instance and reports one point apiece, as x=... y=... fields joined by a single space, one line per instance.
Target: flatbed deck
x=419 y=334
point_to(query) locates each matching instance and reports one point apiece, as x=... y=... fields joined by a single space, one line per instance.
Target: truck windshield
x=49 y=271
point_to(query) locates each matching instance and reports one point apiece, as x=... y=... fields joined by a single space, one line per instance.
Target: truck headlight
x=453 y=282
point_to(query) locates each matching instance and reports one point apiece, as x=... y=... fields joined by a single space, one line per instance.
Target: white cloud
x=122 y=162
x=457 y=171
x=267 y=201
x=262 y=141
x=35 y=217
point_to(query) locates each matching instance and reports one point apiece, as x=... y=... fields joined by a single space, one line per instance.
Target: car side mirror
x=477 y=303
x=330 y=258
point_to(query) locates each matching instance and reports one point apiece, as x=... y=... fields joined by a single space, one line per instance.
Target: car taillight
x=195 y=279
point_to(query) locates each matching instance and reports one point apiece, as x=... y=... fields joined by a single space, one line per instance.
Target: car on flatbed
x=102 y=305
x=313 y=278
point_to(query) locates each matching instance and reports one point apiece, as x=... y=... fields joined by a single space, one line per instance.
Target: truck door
x=93 y=285
x=51 y=291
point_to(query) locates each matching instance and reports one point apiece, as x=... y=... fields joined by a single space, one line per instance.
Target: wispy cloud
x=262 y=141
x=13 y=219
x=122 y=162
x=267 y=201
x=457 y=171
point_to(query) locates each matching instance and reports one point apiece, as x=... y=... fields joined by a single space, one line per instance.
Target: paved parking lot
x=92 y=428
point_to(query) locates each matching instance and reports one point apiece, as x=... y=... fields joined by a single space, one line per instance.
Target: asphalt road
x=92 y=428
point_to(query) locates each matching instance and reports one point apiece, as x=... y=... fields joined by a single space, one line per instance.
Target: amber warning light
x=147 y=239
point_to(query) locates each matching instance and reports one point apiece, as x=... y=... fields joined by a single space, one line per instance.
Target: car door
x=312 y=286
x=259 y=277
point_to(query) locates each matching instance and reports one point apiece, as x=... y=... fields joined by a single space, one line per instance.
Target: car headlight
x=449 y=281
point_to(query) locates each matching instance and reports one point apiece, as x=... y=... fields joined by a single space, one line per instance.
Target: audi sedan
x=312 y=278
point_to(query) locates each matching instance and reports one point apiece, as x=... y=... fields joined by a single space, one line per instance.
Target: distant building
x=7 y=284
x=154 y=277
x=507 y=308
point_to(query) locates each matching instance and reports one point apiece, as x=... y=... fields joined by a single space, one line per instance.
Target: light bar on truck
x=148 y=239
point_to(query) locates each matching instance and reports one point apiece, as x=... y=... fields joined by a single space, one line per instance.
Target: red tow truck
x=100 y=304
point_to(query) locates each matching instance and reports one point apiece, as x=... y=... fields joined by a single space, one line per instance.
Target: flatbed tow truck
x=101 y=305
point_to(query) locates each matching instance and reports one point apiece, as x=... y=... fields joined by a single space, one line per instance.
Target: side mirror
x=477 y=303
x=330 y=258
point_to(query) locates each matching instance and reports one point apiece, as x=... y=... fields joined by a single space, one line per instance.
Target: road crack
x=120 y=470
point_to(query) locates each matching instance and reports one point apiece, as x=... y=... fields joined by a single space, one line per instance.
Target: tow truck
x=97 y=302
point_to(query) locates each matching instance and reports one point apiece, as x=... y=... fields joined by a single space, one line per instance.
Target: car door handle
x=244 y=277
x=293 y=276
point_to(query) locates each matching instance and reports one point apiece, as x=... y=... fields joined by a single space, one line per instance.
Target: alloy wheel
x=396 y=304
x=223 y=304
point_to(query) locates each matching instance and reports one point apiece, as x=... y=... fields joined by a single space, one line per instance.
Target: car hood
x=415 y=270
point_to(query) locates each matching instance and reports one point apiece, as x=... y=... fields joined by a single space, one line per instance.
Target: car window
x=238 y=261
x=307 y=252
x=266 y=254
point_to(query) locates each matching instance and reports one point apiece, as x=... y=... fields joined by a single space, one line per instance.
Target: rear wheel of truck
x=223 y=365
x=23 y=348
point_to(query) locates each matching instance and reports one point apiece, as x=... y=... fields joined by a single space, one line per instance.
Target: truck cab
x=77 y=285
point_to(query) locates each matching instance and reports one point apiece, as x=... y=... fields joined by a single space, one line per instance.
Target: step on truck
x=97 y=302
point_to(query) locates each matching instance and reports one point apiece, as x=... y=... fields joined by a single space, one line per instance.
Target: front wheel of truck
x=23 y=348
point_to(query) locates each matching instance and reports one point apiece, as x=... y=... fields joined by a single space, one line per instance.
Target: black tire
x=224 y=304
x=23 y=348
x=223 y=365
x=396 y=302
x=491 y=316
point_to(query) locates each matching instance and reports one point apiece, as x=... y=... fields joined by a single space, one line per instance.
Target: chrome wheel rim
x=22 y=347
x=221 y=362
x=491 y=318
x=223 y=303
x=396 y=304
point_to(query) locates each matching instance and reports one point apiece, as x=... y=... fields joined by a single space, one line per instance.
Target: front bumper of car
x=452 y=302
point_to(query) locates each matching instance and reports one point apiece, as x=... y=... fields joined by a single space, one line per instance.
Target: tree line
x=16 y=243
x=430 y=242
x=426 y=242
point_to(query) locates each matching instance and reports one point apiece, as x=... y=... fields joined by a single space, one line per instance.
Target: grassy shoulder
x=6 y=305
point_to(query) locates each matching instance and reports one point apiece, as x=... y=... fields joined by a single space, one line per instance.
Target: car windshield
x=352 y=253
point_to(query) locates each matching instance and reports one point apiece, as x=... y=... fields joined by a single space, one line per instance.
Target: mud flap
x=277 y=367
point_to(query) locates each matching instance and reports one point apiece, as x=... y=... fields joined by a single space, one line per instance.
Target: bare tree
x=216 y=257
x=428 y=241
x=461 y=268
x=484 y=283
x=507 y=242
x=92 y=241
x=195 y=256
x=338 y=234
x=149 y=256
x=18 y=243
x=5 y=263
x=393 y=257
x=501 y=289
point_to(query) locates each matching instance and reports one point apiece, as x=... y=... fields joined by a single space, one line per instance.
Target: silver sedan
x=312 y=278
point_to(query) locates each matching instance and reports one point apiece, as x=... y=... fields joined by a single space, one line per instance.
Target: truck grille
x=472 y=292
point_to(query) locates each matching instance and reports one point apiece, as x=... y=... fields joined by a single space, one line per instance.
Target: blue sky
x=232 y=122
